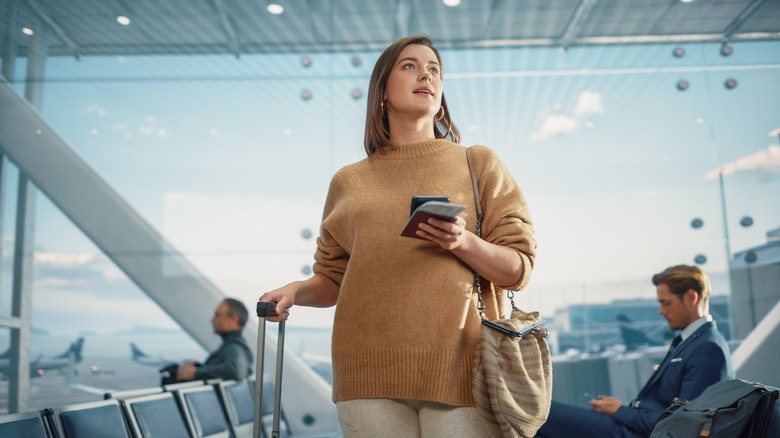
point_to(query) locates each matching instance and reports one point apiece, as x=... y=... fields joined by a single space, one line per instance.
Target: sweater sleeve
x=506 y=221
x=331 y=257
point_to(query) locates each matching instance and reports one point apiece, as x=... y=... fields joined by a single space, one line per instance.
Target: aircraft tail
x=75 y=349
x=137 y=353
x=632 y=336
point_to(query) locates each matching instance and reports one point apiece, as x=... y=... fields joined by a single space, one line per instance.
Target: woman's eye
x=408 y=66
x=434 y=70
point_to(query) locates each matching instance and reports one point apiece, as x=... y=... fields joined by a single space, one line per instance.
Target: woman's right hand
x=316 y=291
x=284 y=297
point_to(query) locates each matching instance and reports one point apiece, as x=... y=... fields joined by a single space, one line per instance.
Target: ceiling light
x=357 y=94
x=682 y=85
x=451 y=3
x=687 y=1
x=678 y=52
x=121 y=19
x=726 y=50
x=305 y=94
x=306 y=61
x=730 y=84
x=27 y=31
x=275 y=8
x=356 y=61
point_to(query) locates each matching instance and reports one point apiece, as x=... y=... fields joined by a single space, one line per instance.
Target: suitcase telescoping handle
x=264 y=310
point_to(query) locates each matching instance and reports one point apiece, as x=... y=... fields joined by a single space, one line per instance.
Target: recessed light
x=121 y=19
x=275 y=8
x=451 y=3
x=27 y=31
x=687 y=1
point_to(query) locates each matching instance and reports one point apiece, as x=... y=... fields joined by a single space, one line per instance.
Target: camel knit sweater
x=406 y=324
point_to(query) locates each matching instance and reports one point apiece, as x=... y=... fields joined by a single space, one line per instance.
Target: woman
x=406 y=325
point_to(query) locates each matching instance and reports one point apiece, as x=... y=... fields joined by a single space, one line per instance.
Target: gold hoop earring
x=438 y=117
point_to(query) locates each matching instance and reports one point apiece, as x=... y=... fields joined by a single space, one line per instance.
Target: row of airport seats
x=213 y=408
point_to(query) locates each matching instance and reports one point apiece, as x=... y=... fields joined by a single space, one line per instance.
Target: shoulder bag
x=512 y=378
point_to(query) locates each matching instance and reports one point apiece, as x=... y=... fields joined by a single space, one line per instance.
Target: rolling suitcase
x=264 y=310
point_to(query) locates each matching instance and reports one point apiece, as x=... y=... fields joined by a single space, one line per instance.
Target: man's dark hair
x=237 y=308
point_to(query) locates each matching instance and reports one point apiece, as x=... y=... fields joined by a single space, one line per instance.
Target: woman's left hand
x=448 y=235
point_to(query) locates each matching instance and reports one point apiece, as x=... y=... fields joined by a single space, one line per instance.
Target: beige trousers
x=393 y=418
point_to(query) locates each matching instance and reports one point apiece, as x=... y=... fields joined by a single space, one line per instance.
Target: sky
x=228 y=160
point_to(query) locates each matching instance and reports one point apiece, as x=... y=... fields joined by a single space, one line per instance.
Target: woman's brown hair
x=377 y=135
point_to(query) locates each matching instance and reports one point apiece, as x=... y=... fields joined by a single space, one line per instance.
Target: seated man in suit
x=233 y=359
x=697 y=358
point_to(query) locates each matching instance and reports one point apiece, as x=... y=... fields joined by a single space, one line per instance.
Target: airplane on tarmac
x=634 y=337
x=40 y=365
x=147 y=359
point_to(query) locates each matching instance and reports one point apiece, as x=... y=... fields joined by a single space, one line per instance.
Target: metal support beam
x=21 y=307
x=576 y=22
x=140 y=251
x=742 y=18
x=24 y=244
x=43 y=15
x=227 y=27
x=320 y=20
x=489 y=16
x=9 y=41
x=403 y=12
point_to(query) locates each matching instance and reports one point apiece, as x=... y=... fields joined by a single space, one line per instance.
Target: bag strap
x=478 y=232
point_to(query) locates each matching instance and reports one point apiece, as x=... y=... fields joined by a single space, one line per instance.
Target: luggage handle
x=264 y=310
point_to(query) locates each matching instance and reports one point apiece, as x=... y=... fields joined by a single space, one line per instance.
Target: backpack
x=729 y=408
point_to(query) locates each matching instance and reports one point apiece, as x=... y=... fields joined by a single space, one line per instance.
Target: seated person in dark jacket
x=233 y=359
x=699 y=357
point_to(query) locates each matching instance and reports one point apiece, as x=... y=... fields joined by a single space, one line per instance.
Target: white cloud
x=96 y=110
x=762 y=161
x=553 y=126
x=589 y=102
x=63 y=259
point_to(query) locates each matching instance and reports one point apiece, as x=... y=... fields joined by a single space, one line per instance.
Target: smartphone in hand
x=424 y=207
x=420 y=200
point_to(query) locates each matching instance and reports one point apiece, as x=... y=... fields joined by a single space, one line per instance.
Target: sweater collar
x=413 y=150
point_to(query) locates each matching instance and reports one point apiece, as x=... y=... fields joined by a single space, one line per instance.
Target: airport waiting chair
x=130 y=393
x=155 y=415
x=239 y=403
x=203 y=411
x=171 y=387
x=102 y=418
x=267 y=408
x=26 y=424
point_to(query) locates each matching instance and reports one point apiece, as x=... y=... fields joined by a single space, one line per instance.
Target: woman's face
x=414 y=87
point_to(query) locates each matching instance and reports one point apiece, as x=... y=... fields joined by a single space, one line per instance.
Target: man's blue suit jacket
x=696 y=363
x=699 y=361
